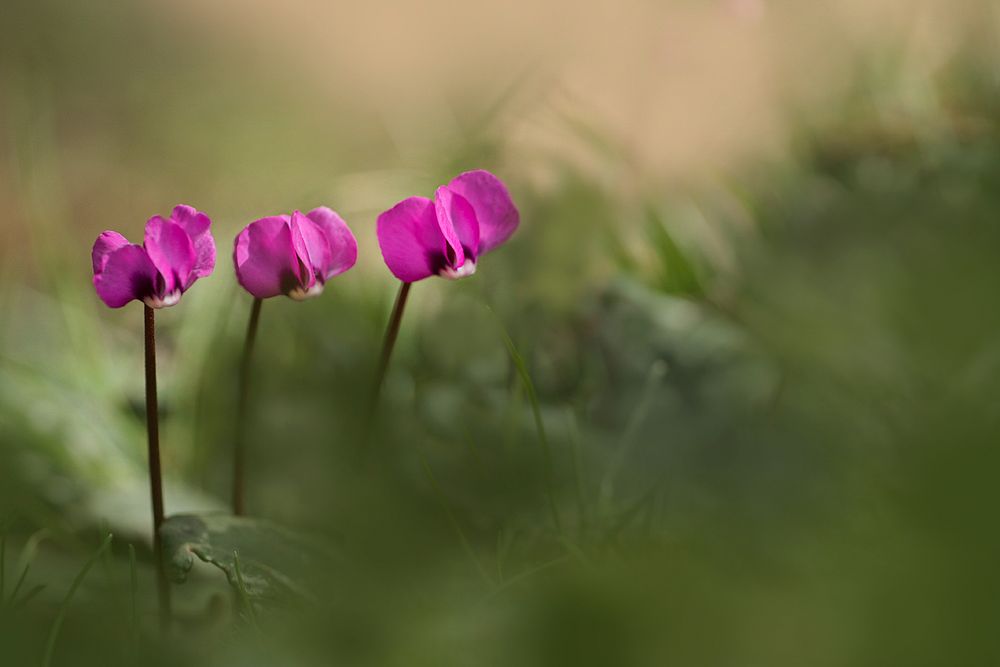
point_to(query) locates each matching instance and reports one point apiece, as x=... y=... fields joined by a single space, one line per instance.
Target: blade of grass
x=500 y=555
x=575 y=551
x=133 y=580
x=20 y=582
x=31 y=546
x=649 y=513
x=61 y=615
x=574 y=448
x=514 y=407
x=28 y=596
x=3 y=558
x=505 y=543
x=244 y=596
x=657 y=371
x=24 y=564
x=466 y=545
x=678 y=274
x=630 y=513
x=524 y=575
x=529 y=390
x=114 y=591
x=470 y=443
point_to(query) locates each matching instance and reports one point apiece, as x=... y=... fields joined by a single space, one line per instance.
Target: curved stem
x=155 y=474
x=241 y=408
x=388 y=343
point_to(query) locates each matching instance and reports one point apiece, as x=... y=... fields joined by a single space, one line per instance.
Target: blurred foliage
x=771 y=399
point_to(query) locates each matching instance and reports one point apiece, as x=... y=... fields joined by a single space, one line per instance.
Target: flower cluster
x=295 y=255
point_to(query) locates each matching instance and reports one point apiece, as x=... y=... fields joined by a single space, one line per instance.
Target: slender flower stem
x=388 y=343
x=155 y=475
x=241 y=408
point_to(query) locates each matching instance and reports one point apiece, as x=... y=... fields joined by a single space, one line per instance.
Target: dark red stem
x=155 y=474
x=388 y=343
x=241 y=409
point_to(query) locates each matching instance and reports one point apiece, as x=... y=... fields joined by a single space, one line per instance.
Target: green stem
x=241 y=409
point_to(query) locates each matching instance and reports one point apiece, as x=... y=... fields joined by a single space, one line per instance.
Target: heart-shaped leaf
x=273 y=560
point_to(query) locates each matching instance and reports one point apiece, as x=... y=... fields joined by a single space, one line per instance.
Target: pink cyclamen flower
x=174 y=254
x=293 y=255
x=466 y=219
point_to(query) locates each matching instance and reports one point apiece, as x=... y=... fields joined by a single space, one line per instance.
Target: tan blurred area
x=244 y=107
x=683 y=85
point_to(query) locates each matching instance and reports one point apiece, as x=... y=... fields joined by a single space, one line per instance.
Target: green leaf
x=272 y=559
x=678 y=274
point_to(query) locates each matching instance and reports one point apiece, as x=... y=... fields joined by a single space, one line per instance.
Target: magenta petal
x=105 y=244
x=316 y=245
x=304 y=267
x=265 y=259
x=456 y=215
x=127 y=274
x=495 y=211
x=455 y=253
x=410 y=239
x=340 y=240
x=172 y=253
x=197 y=225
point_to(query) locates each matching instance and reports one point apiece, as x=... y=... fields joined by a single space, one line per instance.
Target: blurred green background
x=755 y=290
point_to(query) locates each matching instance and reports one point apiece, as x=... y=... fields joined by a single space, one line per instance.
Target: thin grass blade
x=244 y=595
x=529 y=390
x=133 y=580
x=20 y=582
x=466 y=545
x=50 y=644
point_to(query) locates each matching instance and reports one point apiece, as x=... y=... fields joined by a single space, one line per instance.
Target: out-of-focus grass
x=770 y=397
